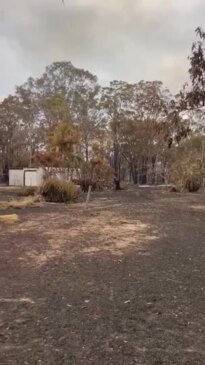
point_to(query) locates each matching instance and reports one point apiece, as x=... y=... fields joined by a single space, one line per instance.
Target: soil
x=122 y=282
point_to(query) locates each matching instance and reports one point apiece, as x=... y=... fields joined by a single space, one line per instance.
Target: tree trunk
x=86 y=152
x=132 y=172
x=135 y=176
x=88 y=196
x=116 y=165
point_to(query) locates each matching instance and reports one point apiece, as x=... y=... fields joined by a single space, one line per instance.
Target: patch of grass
x=27 y=191
x=9 y=218
x=20 y=203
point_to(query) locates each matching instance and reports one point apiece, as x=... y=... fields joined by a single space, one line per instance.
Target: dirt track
x=121 y=283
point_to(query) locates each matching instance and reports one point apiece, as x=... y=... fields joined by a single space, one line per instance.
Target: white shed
x=26 y=177
x=16 y=177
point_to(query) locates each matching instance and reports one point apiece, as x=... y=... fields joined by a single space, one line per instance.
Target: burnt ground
x=120 y=283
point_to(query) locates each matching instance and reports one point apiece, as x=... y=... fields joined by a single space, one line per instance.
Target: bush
x=193 y=186
x=58 y=191
x=96 y=186
x=173 y=189
x=186 y=172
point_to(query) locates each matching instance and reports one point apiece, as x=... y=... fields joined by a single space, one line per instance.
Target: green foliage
x=55 y=120
x=58 y=191
x=55 y=109
x=195 y=143
x=196 y=97
x=63 y=139
x=14 y=145
x=61 y=147
x=186 y=172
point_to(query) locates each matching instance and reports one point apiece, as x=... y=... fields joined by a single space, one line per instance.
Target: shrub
x=58 y=191
x=186 y=172
x=193 y=185
x=173 y=189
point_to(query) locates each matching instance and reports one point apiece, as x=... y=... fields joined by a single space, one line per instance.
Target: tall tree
x=61 y=151
x=196 y=97
x=14 y=149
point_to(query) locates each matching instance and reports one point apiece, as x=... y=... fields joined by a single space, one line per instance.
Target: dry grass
x=9 y=218
x=125 y=277
x=20 y=203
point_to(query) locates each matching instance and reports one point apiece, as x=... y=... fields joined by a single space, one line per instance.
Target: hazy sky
x=115 y=39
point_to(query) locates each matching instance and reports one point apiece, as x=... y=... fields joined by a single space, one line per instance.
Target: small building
x=26 y=177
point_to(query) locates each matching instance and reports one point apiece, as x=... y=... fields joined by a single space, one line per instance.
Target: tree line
x=64 y=119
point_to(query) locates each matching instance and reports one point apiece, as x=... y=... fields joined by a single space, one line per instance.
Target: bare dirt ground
x=120 y=283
